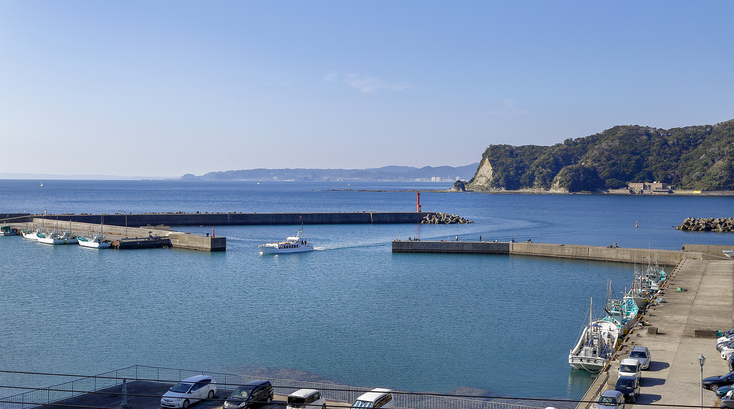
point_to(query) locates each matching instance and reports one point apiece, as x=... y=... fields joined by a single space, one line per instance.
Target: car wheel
x=211 y=394
x=185 y=404
x=323 y=406
x=270 y=398
x=713 y=387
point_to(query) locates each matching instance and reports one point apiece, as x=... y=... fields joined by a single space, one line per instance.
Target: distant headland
x=386 y=173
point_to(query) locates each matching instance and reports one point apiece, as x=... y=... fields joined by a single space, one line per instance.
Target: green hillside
x=694 y=157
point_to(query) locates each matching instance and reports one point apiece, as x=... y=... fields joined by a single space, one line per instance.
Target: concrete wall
x=708 y=248
x=463 y=247
x=220 y=219
x=623 y=255
x=197 y=242
x=618 y=255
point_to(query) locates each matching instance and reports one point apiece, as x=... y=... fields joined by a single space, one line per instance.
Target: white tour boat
x=293 y=244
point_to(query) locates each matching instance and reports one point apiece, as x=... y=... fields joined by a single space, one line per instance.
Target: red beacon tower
x=418 y=205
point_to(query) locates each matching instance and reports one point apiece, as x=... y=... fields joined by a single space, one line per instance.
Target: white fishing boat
x=96 y=242
x=30 y=234
x=293 y=244
x=728 y=253
x=595 y=346
x=57 y=238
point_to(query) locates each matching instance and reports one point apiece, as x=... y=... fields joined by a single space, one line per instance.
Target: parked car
x=376 y=398
x=629 y=386
x=188 y=391
x=641 y=354
x=249 y=395
x=306 y=399
x=611 y=399
x=722 y=390
x=630 y=367
x=727 y=401
x=713 y=382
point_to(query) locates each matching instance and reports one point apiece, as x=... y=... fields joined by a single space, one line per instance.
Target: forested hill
x=694 y=157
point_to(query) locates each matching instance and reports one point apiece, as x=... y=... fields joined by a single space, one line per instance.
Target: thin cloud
x=364 y=84
x=510 y=108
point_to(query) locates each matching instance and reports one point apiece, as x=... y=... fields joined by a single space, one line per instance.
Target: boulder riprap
x=719 y=224
x=444 y=218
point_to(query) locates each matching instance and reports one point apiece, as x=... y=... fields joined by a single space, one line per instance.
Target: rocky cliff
x=695 y=157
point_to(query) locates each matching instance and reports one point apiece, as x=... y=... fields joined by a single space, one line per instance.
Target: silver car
x=641 y=354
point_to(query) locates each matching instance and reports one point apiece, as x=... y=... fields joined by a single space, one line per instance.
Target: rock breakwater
x=719 y=224
x=444 y=218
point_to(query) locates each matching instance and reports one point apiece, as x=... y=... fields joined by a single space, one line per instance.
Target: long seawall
x=569 y=251
x=231 y=219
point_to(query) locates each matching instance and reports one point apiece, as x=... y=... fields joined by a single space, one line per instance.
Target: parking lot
x=147 y=395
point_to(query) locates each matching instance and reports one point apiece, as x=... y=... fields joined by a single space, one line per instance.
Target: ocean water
x=351 y=311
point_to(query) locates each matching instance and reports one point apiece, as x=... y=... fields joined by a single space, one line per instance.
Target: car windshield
x=608 y=400
x=637 y=354
x=242 y=392
x=362 y=404
x=628 y=368
x=626 y=383
x=181 y=387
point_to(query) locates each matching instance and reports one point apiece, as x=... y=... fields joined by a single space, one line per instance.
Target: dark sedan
x=713 y=382
x=629 y=386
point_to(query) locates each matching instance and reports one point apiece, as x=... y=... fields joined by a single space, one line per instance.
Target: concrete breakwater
x=719 y=224
x=578 y=252
x=225 y=219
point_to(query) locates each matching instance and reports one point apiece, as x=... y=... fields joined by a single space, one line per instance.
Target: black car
x=713 y=382
x=249 y=394
x=629 y=386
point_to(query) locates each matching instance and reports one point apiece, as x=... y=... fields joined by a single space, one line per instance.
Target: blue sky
x=164 y=88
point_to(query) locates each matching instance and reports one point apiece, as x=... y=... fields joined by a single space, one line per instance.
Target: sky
x=165 y=88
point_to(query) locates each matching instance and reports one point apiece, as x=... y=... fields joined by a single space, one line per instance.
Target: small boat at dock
x=96 y=242
x=293 y=244
x=596 y=344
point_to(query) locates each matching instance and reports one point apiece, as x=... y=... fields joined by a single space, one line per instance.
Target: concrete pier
x=570 y=251
x=703 y=305
x=126 y=237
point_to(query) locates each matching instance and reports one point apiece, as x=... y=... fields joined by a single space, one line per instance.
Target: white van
x=306 y=399
x=376 y=398
x=630 y=367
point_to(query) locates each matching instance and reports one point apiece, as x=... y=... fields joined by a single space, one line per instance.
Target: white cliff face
x=483 y=176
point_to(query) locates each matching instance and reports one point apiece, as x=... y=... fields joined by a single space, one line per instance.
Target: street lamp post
x=701 y=361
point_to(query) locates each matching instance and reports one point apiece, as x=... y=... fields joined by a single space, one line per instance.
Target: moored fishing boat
x=30 y=234
x=6 y=231
x=595 y=346
x=293 y=244
x=96 y=242
x=57 y=238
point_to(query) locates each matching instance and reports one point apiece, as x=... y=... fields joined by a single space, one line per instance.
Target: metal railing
x=226 y=381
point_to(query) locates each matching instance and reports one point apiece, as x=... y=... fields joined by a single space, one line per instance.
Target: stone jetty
x=444 y=218
x=719 y=224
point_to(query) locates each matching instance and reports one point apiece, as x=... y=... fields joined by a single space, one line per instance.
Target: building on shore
x=649 y=188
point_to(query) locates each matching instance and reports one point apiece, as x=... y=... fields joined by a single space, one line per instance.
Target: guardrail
x=331 y=391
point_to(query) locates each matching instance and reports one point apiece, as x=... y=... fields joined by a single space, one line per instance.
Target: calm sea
x=352 y=311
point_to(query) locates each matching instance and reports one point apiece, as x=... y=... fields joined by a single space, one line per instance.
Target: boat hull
x=265 y=249
x=95 y=245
